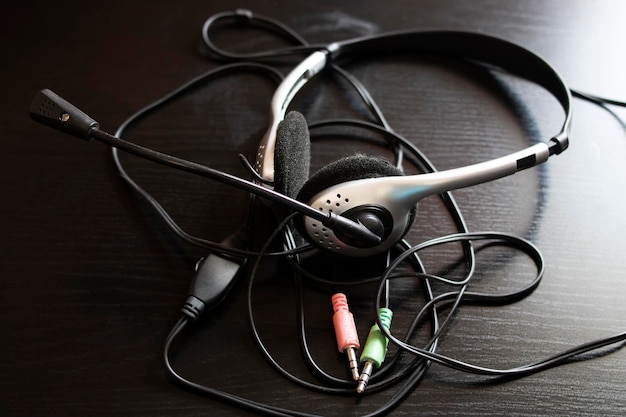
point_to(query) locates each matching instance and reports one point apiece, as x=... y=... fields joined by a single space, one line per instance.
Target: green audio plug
x=375 y=349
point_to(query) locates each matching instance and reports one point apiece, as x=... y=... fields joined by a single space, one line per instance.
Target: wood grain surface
x=91 y=281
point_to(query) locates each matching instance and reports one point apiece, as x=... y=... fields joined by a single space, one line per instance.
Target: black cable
x=243 y=17
x=597 y=99
x=233 y=400
x=390 y=373
x=533 y=252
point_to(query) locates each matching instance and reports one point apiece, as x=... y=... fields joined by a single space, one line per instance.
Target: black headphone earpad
x=355 y=167
x=292 y=154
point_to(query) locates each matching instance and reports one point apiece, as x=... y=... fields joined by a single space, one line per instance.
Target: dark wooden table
x=91 y=281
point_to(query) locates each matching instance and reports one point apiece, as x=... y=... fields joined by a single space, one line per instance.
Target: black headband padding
x=466 y=45
x=292 y=154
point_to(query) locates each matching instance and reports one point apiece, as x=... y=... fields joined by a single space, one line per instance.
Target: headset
x=358 y=206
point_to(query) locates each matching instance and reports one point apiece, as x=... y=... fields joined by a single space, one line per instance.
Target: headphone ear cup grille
x=292 y=154
x=355 y=167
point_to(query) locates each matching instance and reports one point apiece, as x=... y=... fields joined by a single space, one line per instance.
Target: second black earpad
x=292 y=154
x=355 y=167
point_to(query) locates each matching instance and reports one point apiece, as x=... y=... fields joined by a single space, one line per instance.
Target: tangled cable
x=404 y=261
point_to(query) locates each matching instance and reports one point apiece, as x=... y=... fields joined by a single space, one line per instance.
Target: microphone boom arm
x=52 y=110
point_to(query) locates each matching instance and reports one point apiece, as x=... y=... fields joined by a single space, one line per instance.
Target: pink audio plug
x=345 y=332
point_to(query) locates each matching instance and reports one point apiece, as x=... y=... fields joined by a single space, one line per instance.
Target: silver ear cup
x=345 y=188
x=363 y=202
